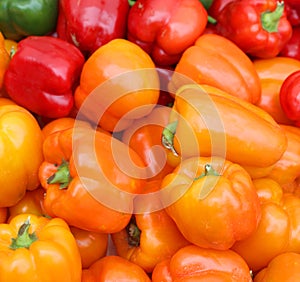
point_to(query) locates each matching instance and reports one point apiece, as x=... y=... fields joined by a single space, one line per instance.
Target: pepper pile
x=149 y=140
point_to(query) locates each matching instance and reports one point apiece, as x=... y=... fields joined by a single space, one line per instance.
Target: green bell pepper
x=21 y=18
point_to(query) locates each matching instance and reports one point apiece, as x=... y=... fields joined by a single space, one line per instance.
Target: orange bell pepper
x=35 y=249
x=284 y=267
x=144 y=136
x=91 y=245
x=192 y=263
x=209 y=122
x=21 y=153
x=216 y=61
x=5 y=59
x=287 y=169
x=272 y=72
x=114 y=268
x=3 y=214
x=86 y=180
x=32 y=203
x=278 y=228
x=149 y=238
x=131 y=89
x=212 y=201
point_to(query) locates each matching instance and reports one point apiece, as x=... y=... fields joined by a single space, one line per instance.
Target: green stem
x=24 y=239
x=208 y=170
x=131 y=2
x=61 y=176
x=168 y=136
x=134 y=233
x=270 y=20
x=211 y=20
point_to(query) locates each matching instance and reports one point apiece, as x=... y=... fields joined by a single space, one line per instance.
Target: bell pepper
x=284 y=267
x=164 y=29
x=19 y=19
x=293 y=12
x=230 y=70
x=272 y=72
x=91 y=245
x=203 y=126
x=291 y=48
x=278 y=228
x=107 y=20
x=31 y=202
x=287 y=169
x=259 y=28
x=35 y=249
x=42 y=74
x=3 y=214
x=21 y=154
x=289 y=96
x=144 y=137
x=192 y=263
x=87 y=182
x=114 y=268
x=212 y=201
x=4 y=61
x=149 y=238
x=216 y=7
x=118 y=84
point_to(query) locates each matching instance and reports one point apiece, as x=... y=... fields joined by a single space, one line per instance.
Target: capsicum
x=19 y=19
x=42 y=75
x=291 y=49
x=86 y=192
x=35 y=248
x=259 y=28
x=164 y=29
x=290 y=96
x=90 y=24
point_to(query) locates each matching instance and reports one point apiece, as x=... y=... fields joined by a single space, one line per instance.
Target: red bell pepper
x=42 y=75
x=290 y=97
x=164 y=29
x=292 y=47
x=89 y=24
x=259 y=27
x=293 y=11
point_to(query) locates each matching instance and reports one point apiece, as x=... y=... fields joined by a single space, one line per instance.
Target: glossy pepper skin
x=259 y=28
x=42 y=75
x=293 y=12
x=272 y=72
x=107 y=20
x=284 y=267
x=212 y=201
x=192 y=263
x=19 y=19
x=290 y=96
x=35 y=248
x=164 y=29
x=21 y=154
x=278 y=228
x=203 y=126
x=292 y=47
x=114 y=268
x=231 y=70
x=69 y=169
x=149 y=238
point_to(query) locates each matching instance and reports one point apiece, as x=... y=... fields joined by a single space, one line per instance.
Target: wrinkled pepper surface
x=22 y=18
x=259 y=28
x=89 y=24
x=212 y=201
x=42 y=75
x=35 y=248
x=21 y=153
x=164 y=29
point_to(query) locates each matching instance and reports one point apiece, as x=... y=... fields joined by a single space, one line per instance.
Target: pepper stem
x=61 y=176
x=270 y=20
x=134 y=233
x=24 y=239
x=208 y=170
x=168 y=137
